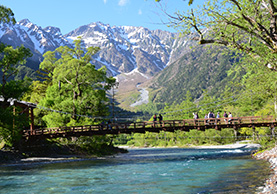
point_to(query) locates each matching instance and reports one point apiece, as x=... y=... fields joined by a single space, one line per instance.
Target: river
x=171 y=170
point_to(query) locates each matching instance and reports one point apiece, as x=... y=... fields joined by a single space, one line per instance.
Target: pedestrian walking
x=160 y=119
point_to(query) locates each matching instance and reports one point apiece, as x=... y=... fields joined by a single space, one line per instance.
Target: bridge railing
x=151 y=124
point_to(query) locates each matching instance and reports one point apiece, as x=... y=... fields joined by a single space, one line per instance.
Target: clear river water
x=170 y=170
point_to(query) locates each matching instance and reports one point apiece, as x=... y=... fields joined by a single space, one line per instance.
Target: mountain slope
x=204 y=68
x=123 y=49
x=126 y=48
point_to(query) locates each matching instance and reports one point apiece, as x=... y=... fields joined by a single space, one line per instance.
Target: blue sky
x=71 y=14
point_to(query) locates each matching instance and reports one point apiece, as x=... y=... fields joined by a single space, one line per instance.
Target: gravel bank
x=271 y=183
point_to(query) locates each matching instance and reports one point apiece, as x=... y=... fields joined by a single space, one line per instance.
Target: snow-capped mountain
x=123 y=49
x=126 y=48
x=35 y=38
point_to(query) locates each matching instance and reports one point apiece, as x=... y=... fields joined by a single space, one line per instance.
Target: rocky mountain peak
x=25 y=22
x=53 y=30
x=123 y=48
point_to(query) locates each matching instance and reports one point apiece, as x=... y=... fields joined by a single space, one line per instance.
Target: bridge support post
x=235 y=132
x=253 y=127
x=272 y=130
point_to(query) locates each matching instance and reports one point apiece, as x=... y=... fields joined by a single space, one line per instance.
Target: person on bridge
x=217 y=116
x=155 y=117
x=210 y=116
x=230 y=118
x=102 y=125
x=195 y=116
x=225 y=117
x=160 y=119
x=206 y=121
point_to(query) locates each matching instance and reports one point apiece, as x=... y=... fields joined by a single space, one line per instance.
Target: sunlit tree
x=6 y=15
x=76 y=88
x=246 y=26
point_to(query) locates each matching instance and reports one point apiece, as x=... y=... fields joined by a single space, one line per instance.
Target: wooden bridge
x=151 y=126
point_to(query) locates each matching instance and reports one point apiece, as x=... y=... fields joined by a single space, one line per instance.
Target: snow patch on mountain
x=123 y=49
x=109 y=66
x=137 y=71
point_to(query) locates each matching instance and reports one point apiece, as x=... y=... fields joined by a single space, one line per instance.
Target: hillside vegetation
x=204 y=68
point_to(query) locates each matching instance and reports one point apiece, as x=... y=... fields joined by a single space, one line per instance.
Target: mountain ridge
x=123 y=48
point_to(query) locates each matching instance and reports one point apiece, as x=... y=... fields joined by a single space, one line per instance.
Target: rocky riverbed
x=271 y=183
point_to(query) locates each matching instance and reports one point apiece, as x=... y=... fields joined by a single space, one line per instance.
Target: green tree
x=76 y=86
x=247 y=26
x=171 y=112
x=6 y=15
x=9 y=59
x=181 y=111
x=36 y=92
x=188 y=107
x=208 y=103
x=261 y=84
x=11 y=124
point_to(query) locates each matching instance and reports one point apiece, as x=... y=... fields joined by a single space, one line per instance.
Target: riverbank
x=271 y=183
x=54 y=153
x=237 y=145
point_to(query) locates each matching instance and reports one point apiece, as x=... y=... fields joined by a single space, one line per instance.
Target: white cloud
x=105 y=1
x=122 y=2
x=140 y=12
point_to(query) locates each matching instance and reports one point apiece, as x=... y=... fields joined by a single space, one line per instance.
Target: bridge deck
x=142 y=127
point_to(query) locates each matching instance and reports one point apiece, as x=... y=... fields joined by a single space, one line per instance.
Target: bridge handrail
x=151 y=124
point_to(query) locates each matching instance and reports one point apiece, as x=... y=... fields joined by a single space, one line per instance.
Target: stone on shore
x=271 y=157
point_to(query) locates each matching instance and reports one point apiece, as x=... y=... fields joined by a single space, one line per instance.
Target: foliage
x=261 y=90
x=36 y=92
x=247 y=26
x=201 y=68
x=76 y=87
x=177 y=138
x=267 y=142
x=96 y=145
x=11 y=57
x=11 y=125
x=11 y=121
x=148 y=110
x=184 y=110
x=6 y=15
